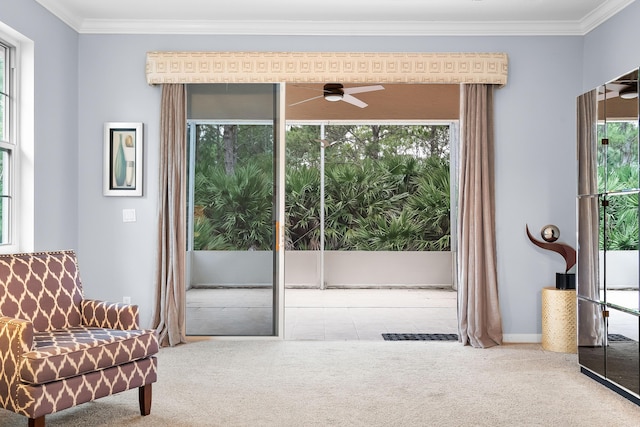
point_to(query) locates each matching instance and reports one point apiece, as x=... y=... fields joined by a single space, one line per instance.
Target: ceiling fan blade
x=611 y=90
x=354 y=101
x=326 y=143
x=606 y=93
x=305 y=100
x=615 y=87
x=361 y=89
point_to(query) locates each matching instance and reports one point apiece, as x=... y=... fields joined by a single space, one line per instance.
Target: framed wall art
x=122 y=174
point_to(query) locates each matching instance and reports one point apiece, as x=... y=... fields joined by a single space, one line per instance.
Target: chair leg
x=144 y=396
x=36 y=422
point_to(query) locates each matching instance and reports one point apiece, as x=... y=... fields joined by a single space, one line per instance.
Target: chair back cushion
x=43 y=288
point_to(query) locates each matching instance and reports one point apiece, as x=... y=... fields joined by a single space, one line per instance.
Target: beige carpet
x=359 y=383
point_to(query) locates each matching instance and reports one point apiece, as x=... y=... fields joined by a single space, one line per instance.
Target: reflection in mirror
x=608 y=230
x=587 y=280
x=603 y=222
x=618 y=183
x=590 y=333
x=601 y=146
x=589 y=203
x=618 y=126
x=620 y=240
x=622 y=351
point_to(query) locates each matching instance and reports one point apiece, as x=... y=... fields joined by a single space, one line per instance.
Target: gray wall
x=56 y=122
x=535 y=143
x=609 y=50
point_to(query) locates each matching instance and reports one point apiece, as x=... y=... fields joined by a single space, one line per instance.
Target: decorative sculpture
x=550 y=233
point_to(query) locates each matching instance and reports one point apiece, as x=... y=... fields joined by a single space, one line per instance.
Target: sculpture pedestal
x=559 y=324
x=565 y=280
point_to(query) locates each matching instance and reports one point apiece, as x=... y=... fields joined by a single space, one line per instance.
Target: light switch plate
x=128 y=215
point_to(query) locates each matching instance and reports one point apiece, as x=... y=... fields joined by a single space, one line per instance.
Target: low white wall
x=342 y=269
x=622 y=269
x=231 y=268
x=364 y=269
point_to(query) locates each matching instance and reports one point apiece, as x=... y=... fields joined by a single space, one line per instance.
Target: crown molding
x=66 y=15
x=333 y=28
x=336 y=28
x=602 y=13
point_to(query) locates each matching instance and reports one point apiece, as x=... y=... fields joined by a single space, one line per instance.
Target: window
x=386 y=186
x=7 y=143
x=382 y=186
x=16 y=141
x=232 y=186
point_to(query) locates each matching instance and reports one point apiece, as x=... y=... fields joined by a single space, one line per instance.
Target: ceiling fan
x=621 y=89
x=334 y=92
x=625 y=87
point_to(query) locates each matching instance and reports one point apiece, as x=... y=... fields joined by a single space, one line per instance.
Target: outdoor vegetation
x=618 y=171
x=386 y=187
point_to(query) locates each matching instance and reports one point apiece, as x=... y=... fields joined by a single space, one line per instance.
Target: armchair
x=58 y=349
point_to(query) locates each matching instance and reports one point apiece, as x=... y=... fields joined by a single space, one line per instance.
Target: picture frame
x=123 y=161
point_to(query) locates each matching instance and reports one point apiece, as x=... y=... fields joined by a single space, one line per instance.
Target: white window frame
x=21 y=140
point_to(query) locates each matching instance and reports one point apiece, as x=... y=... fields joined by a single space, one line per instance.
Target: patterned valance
x=322 y=67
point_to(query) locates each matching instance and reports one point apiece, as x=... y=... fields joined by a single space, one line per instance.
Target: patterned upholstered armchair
x=57 y=349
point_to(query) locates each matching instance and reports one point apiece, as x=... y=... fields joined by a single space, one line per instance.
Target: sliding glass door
x=236 y=203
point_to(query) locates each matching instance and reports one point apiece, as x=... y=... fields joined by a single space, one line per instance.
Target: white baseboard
x=522 y=338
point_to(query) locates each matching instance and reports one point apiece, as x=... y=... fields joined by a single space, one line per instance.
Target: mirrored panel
x=604 y=228
x=590 y=253
x=601 y=144
x=591 y=336
x=617 y=134
x=623 y=351
x=608 y=230
x=620 y=270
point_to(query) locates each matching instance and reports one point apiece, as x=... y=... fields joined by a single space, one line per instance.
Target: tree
x=619 y=219
x=386 y=188
x=430 y=204
x=302 y=208
x=239 y=208
x=303 y=147
x=623 y=142
x=230 y=137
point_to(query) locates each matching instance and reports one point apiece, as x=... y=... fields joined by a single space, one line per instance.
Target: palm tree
x=239 y=207
x=620 y=216
x=302 y=209
x=430 y=206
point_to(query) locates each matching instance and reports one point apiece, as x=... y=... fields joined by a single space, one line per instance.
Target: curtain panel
x=478 y=311
x=479 y=320
x=170 y=309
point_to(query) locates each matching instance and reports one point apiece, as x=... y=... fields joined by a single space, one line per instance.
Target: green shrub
x=239 y=207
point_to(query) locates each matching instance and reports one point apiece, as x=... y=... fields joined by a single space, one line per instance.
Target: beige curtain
x=479 y=321
x=590 y=328
x=169 y=317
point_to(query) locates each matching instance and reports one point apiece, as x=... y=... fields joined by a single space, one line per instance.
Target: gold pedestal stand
x=559 y=322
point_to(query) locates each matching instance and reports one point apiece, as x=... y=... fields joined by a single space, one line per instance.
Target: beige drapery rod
x=323 y=67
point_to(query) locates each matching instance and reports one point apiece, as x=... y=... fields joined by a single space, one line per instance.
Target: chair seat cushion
x=65 y=353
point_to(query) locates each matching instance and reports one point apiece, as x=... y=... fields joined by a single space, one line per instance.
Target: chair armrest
x=109 y=315
x=16 y=339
